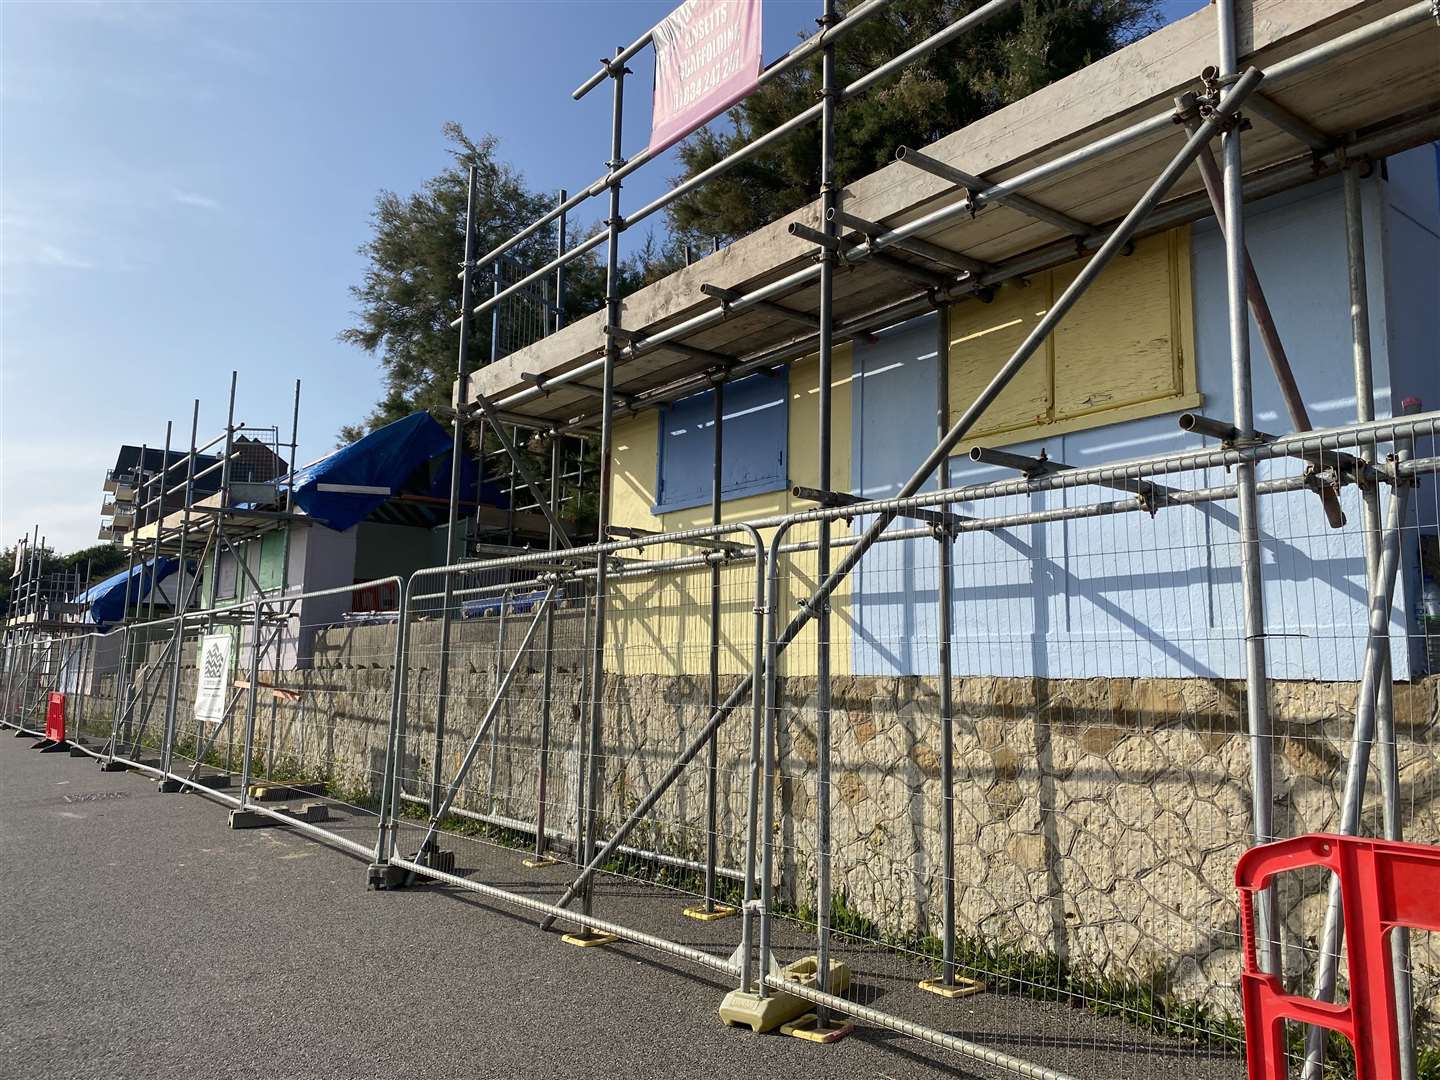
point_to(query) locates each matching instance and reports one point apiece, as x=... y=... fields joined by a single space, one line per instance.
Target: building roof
x=127 y=458
x=1394 y=78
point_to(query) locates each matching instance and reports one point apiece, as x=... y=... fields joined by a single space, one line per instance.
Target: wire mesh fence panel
x=37 y=666
x=318 y=724
x=143 y=688
x=1101 y=762
x=678 y=643
x=21 y=676
x=208 y=681
x=89 y=686
x=480 y=710
x=517 y=755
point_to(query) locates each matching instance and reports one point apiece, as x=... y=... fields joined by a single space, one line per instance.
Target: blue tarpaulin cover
x=518 y=603
x=107 y=599
x=385 y=461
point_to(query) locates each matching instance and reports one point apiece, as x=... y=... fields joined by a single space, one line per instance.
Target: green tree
x=410 y=292
x=1013 y=55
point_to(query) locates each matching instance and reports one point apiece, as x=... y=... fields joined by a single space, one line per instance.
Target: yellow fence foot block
x=699 y=914
x=959 y=988
x=588 y=941
x=804 y=1028
x=742 y=1008
x=536 y=864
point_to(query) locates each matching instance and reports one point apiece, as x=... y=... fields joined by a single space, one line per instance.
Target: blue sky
x=183 y=188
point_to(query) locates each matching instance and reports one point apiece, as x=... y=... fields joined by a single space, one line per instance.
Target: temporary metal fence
x=1049 y=808
x=509 y=737
x=1001 y=741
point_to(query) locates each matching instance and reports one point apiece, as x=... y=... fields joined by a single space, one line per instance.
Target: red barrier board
x=1383 y=885
x=55 y=718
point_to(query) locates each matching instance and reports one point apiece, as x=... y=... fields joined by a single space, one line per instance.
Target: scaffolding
x=896 y=271
x=765 y=589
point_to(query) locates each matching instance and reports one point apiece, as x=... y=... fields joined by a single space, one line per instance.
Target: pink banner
x=707 y=57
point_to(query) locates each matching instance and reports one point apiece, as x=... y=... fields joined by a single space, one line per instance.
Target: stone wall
x=1097 y=820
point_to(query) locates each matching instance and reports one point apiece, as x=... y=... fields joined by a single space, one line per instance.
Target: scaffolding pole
x=457 y=450
x=826 y=253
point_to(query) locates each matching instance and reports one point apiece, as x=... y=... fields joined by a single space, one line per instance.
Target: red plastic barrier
x=55 y=718
x=1382 y=885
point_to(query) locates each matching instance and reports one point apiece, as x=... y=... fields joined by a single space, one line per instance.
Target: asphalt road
x=141 y=937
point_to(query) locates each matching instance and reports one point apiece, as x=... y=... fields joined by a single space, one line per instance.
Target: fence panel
x=207 y=689
x=505 y=701
x=320 y=709
x=1100 y=778
x=89 y=685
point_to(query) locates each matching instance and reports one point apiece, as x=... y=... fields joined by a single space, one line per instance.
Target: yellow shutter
x=982 y=337
x=1124 y=351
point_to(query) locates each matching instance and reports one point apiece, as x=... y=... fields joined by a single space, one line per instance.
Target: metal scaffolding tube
x=614 y=224
x=971 y=183
x=944 y=585
x=1243 y=412
x=251 y=698
x=181 y=599
x=159 y=515
x=954 y=260
x=828 y=242
x=542 y=768
x=1413 y=15
x=457 y=451
x=1280 y=117
x=712 y=752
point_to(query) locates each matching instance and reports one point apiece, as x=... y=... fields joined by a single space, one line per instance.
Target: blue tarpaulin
x=107 y=599
x=517 y=603
x=346 y=487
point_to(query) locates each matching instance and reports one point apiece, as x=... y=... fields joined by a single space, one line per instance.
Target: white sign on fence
x=707 y=57
x=212 y=677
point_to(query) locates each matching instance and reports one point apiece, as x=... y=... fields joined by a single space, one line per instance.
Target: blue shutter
x=756 y=435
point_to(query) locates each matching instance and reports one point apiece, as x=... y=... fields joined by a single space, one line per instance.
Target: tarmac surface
x=142 y=937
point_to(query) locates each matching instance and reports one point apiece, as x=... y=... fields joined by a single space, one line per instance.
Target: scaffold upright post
x=561 y=239
x=181 y=599
x=162 y=477
x=542 y=766
x=613 y=225
x=826 y=253
x=1370 y=508
x=452 y=518
x=945 y=615
x=1243 y=405
x=712 y=752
